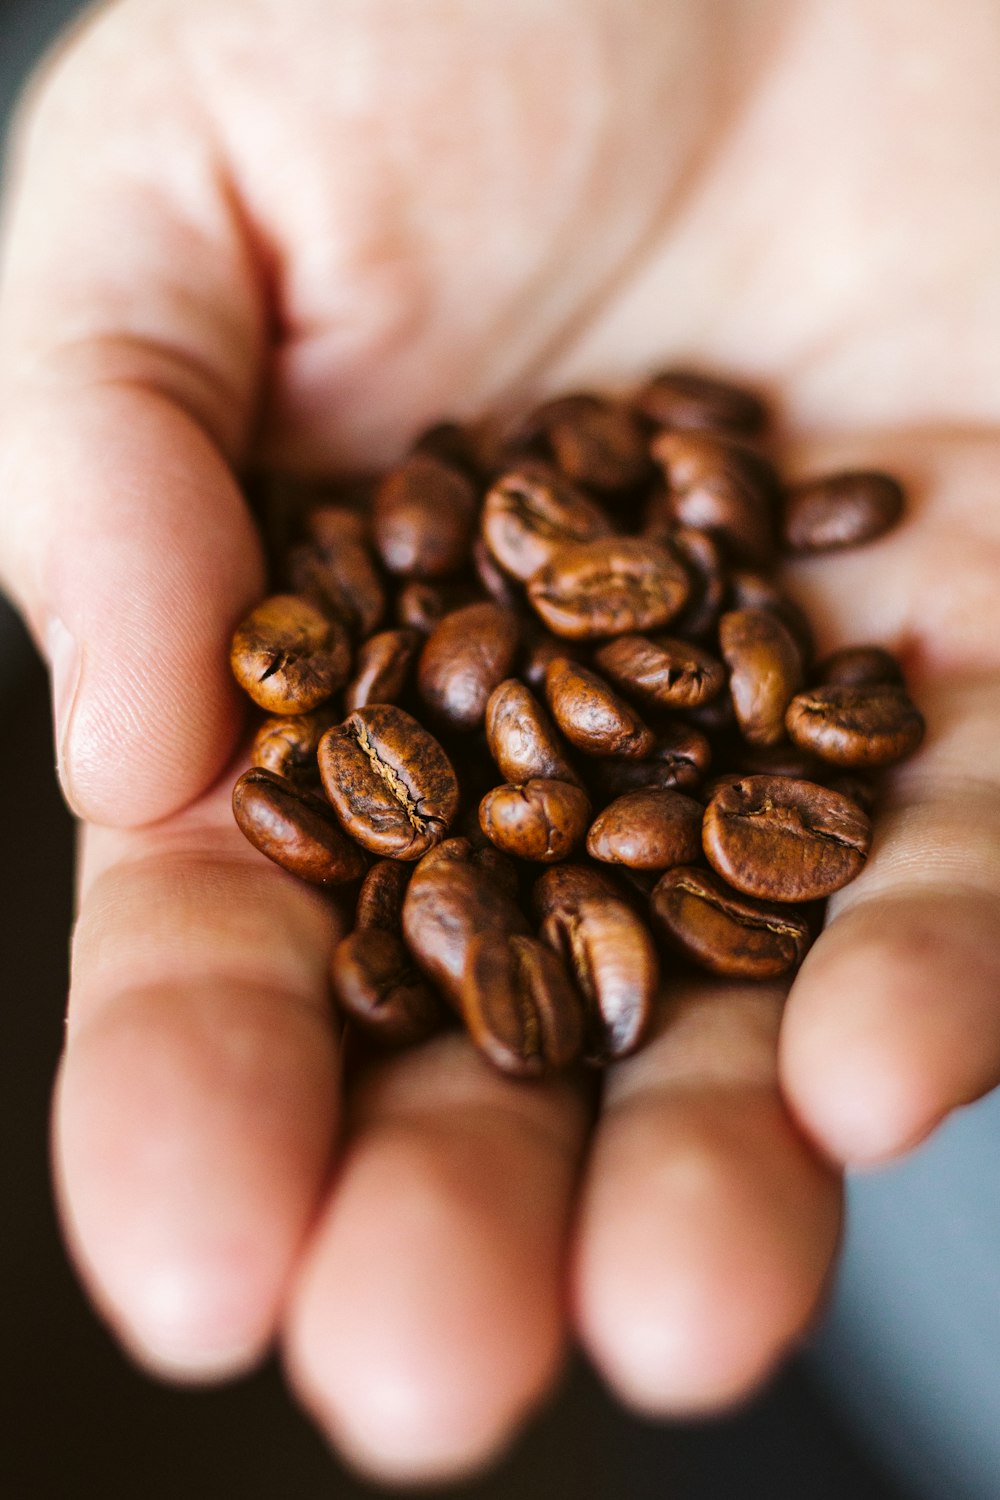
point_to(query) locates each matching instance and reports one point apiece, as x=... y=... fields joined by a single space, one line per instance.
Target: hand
x=298 y=231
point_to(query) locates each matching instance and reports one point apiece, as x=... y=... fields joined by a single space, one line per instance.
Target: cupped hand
x=294 y=232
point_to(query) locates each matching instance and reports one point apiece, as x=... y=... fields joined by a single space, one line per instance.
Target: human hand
x=297 y=232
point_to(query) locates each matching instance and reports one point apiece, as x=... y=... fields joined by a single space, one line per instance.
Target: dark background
x=75 y=1418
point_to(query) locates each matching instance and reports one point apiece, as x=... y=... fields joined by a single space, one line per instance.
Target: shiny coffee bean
x=295 y=828
x=841 y=510
x=608 y=950
x=377 y=985
x=389 y=781
x=591 y=714
x=857 y=666
x=492 y=579
x=424 y=518
x=465 y=657
x=725 y=932
x=608 y=587
x=597 y=442
x=765 y=671
x=539 y=648
x=662 y=670
x=337 y=568
x=538 y=820
x=382 y=668
x=533 y=510
x=699 y=554
x=679 y=760
x=684 y=399
x=722 y=488
x=871 y=725
x=289 y=656
x=647 y=830
x=287 y=743
x=522 y=738
x=421 y=606
x=520 y=1007
x=785 y=840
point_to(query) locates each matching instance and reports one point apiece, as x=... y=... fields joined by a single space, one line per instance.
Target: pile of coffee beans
x=536 y=698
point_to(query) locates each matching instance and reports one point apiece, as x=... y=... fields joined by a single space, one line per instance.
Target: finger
x=130 y=350
x=429 y=1316
x=707 y=1226
x=196 y=1100
x=894 y=1018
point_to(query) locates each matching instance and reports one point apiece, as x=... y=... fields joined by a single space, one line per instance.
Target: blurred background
x=899 y=1395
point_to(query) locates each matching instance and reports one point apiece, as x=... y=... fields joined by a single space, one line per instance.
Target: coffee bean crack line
x=749 y=919
x=801 y=829
x=393 y=781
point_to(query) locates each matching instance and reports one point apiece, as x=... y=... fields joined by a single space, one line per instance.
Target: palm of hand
x=461 y=213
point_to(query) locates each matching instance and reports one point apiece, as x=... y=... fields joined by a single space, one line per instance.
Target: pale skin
x=299 y=230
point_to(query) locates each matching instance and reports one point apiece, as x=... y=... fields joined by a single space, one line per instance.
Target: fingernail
x=64 y=667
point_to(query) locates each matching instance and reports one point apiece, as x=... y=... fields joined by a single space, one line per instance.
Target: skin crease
x=239 y=226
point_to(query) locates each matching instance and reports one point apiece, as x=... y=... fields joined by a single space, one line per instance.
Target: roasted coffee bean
x=699 y=554
x=500 y=587
x=422 y=606
x=608 y=950
x=841 y=510
x=785 y=840
x=455 y=895
x=532 y=511
x=857 y=666
x=647 y=830
x=538 y=820
x=662 y=670
x=389 y=781
x=520 y=1007
x=749 y=589
x=289 y=656
x=720 y=487
x=540 y=647
x=725 y=932
x=295 y=828
x=465 y=657
x=855 y=786
x=608 y=587
x=679 y=759
x=591 y=714
x=765 y=671
x=683 y=399
x=337 y=568
x=424 y=518
x=870 y=725
x=287 y=745
x=522 y=738
x=598 y=442
x=381 y=668
x=452 y=444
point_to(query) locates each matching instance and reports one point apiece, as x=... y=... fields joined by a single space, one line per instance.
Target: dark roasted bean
x=389 y=781
x=382 y=668
x=785 y=840
x=539 y=819
x=699 y=554
x=493 y=580
x=871 y=725
x=679 y=759
x=857 y=666
x=608 y=950
x=765 y=671
x=725 y=932
x=287 y=745
x=522 y=738
x=466 y=656
x=662 y=670
x=295 y=828
x=337 y=568
x=532 y=511
x=647 y=830
x=749 y=589
x=608 y=587
x=596 y=441
x=720 y=487
x=540 y=648
x=841 y=510
x=424 y=518
x=519 y=1005
x=683 y=399
x=289 y=656
x=591 y=714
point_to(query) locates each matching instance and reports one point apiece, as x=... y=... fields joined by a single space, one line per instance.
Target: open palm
x=297 y=230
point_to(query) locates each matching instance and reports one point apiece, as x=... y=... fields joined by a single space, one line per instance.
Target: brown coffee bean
x=497 y=584
x=725 y=932
x=289 y=656
x=749 y=589
x=455 y=896
x=591 y=714
x=683 y=399
x=662 y=670
x=679 y=759
x=295 y=828
x=389 y=781
x=871 y=725
x=857 y=666
x=608 y=950
x=720 y=487
x=532 y=511
x=647 y=830
x=519 y=1006
x=539 y=649
x=450 y=443
x=337 y=568
x=381 y=668
x=841 y=510
x=522 y=738
x=424 y=518
x=765 y=671
x=421 y=606
x=287 y=745
x=538 y=820
x=598 y=442
x=699 y=554
x=785 y=840
x=374 y=977
x=465 y=657
x=608 y=587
